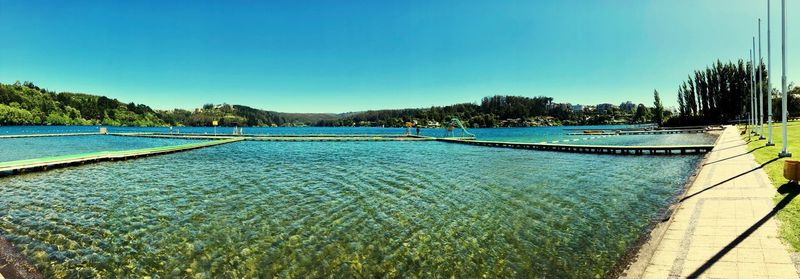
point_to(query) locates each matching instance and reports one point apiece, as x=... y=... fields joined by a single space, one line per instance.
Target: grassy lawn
x=790 y=215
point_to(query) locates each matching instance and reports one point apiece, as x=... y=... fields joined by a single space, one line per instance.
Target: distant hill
x=28 y=104
x=309 y=118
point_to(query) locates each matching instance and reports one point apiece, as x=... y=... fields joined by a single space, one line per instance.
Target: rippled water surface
x=639 y=140
x=29 y=148
x=533 y=134
x=343 y=209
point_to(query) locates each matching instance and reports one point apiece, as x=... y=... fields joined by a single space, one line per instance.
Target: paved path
x=724 y=228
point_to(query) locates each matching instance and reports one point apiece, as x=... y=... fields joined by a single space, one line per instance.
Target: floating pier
x=644 y=132
x=46 y=163
x=281 y=137
x=597 y=149
x=43 y=164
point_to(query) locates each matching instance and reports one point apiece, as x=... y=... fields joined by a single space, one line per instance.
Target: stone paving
x=724 y=226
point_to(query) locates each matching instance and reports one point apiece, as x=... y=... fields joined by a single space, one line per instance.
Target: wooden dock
x=47 y=135
x=43 y=164
x=281 y=137
x=597 y=149
x=46 y=163
x=647 y=132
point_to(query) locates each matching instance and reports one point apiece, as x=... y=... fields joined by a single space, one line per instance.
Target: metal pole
x=750 y=117
x=759 y=81
x=750 y=85
x=769 y=78
x=785 y=149
x=755 y=92
x=754 y=100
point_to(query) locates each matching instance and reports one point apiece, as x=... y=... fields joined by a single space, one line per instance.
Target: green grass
x=789 y=215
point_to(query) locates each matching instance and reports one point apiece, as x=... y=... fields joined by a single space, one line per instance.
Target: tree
x=681 y=103
x=715 y=95
x=642 y=114
x=658 y=110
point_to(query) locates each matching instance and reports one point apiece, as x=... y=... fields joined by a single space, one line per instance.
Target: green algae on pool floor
x=349 y=209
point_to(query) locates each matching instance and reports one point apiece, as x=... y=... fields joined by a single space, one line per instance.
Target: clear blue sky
x=338 y=56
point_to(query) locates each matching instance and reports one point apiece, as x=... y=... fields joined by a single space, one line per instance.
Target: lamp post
x=769 y=77
x=785 y=149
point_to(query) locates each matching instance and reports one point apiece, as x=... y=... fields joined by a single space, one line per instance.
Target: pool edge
x=634 y=262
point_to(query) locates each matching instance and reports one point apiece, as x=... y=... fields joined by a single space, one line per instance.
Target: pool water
x=12 y=149
x=640 y=140
x=340 y=209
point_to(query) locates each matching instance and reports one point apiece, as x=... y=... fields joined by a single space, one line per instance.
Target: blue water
x=640 y=140
x=533 y=134
x=14 y=130
x=29 y=148
x=341 y=209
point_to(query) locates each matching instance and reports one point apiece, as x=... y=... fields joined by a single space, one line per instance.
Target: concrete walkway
x=724 y=226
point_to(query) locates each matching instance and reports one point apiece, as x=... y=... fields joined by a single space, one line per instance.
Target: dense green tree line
x=716 y=95
x=500 y=111
x=28 y=104
x=721 y=94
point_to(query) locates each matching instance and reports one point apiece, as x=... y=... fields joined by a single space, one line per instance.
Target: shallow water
x=531 y=134
x=29 y=148
x=639 y=140
x=343 y=209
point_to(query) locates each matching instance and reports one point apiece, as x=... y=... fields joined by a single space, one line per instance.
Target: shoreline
x=14 y=265
x=646 y=244
x=315 y=126
x=724 y=227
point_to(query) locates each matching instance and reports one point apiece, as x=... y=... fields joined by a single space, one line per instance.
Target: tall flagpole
x=755 y=93
x=759 y=80
x=769 y=78
x=752 y=99
x=753 y=86
x=785 y=150
x=750 y=118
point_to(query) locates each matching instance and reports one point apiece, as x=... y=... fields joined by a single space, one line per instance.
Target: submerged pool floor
x=30 y=148
x=344 y=209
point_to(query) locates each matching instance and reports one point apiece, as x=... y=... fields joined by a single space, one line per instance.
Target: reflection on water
x=343 y=209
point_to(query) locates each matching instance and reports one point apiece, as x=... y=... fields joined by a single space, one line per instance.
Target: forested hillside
x=28 y=104
x=502 y=111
